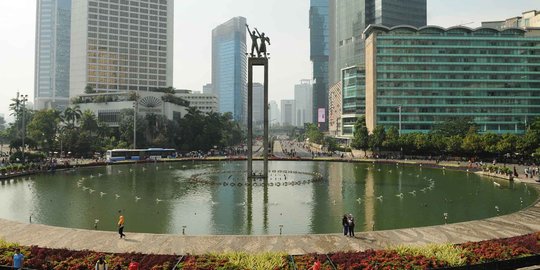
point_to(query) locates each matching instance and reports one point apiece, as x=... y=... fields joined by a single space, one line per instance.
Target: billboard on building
x=322 y=115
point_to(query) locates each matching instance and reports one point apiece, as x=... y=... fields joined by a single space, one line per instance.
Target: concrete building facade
x=419 y=77
x=303 y=98
x=208 y=89
x=109 y=107
x=275 y=114
x=119 y=45
x=335 y=110
x=287 y=112
x=258 y=105
x=229 y=67
x=206 y=103
x=51 y=77
x=528 y=19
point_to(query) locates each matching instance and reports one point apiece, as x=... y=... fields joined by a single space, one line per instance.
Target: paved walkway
x=524 y=222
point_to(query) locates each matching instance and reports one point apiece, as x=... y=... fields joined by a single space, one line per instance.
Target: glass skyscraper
x=429 y=75
x=396 y=12
x=229 y=67
x=53 y=26
x=349 y=20
x=319 y=40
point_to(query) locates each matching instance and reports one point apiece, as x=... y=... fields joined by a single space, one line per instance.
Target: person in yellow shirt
x=121 y=226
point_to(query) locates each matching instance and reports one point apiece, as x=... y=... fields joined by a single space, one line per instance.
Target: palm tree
x=15 y=107
x=71 y=116
x=77 y=114
x=67 y=116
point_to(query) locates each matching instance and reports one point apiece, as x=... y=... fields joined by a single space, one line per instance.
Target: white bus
x=139 y=154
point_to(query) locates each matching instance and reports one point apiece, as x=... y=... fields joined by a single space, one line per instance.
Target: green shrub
x=443 y=252
x=29 y=156
x=262 y=261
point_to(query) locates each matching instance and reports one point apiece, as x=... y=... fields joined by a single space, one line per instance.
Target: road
x=281 y=147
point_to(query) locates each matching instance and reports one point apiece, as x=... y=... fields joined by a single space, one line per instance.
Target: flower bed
x=431 y=256
x=307 y=261
x=236 y=261
x=501 y=249
x=63 y=259
x=370 y=259
x=493 y=254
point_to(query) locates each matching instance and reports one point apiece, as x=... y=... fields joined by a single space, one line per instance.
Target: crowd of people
x=532 y=172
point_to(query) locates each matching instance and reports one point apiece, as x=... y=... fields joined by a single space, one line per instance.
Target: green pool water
x=160 y=198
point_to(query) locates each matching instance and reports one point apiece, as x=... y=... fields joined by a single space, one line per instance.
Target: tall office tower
x=397 y=12
x=258 y=105
x=275 y=115
x=120 y=45
x=229 y=67
x=319 y=38
x=53 y=26
x=303 y=98
x=287 y=112
x=349 y=19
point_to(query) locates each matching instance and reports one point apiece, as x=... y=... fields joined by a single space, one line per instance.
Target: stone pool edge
x=520 y=223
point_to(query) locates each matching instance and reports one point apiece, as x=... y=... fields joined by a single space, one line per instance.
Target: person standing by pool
x=18 y=259
x=345 y=223
x=351 y=225
x=121 y=226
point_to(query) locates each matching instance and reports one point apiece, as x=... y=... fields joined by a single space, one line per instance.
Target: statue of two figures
x=256 y=47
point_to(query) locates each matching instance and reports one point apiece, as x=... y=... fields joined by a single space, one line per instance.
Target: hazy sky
x=286 y=22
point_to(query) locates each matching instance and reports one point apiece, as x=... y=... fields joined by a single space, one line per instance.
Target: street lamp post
x=24 y=99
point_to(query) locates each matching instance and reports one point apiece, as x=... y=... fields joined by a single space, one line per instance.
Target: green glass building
x=419 y=77
x=348 y=20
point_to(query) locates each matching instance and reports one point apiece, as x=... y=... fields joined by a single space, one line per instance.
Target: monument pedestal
x=257 y=61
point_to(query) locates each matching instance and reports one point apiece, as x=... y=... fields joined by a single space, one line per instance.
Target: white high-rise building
x=51 y=84
x=258 y=105
x=287 y=112
x=275 y=115
x=119 y=45
x=208 y=89
x=205 y=103
x=303 y=97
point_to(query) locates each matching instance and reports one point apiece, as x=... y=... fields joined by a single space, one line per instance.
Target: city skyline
x=194 y=21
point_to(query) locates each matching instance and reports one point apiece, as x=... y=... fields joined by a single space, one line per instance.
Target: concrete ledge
x=496 y=175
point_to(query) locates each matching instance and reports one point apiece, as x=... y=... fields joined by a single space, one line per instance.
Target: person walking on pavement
x=121 y=227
